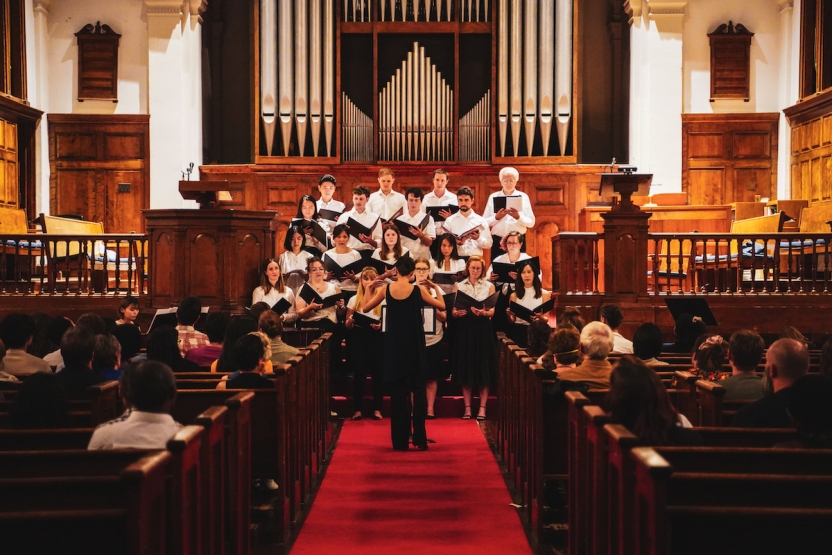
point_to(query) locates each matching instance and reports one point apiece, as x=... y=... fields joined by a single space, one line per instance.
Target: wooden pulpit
x=211 y=254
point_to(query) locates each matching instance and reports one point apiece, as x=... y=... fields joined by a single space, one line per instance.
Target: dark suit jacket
x=768 y=412
x=75 y=381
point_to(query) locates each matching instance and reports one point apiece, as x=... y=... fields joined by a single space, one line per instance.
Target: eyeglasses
x=512 y=244
x=422 y=269
x=508 y=180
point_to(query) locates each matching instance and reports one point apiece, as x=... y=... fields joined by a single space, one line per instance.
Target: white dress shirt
x=385 y=205
x=335 y=206
x=503 y=227
x=445 y=200
x=273 y=297
x=458 y=224
x=621 y=344
x=291 y=262
x=342 y=260
x=415 y=246
x=135 y=430
x=366 y=219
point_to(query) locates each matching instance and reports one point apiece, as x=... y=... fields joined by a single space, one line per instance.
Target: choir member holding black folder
x=508 y=210
x=273 y=291
x=363 y=350
x=363 y=226
x=342 y=263
x=529 y=302
x=447 y=267
x=315 y=232
x=391 y=249
x=329 y=209
x=293 y=260
x=473 y=350
x=319 y=301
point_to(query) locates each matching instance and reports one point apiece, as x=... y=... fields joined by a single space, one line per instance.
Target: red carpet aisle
x=448 y=500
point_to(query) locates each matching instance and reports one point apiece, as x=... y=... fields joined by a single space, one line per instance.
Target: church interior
x=676 y=155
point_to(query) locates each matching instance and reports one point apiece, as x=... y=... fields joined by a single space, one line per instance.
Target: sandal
x=356 y=416
x=467 y=415
x=481 y=415
x=377 y=415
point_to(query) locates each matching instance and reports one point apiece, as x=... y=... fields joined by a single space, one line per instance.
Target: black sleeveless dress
x=404 y=339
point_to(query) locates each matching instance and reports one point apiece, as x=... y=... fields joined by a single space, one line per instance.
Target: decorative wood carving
x=97 y=62
x=730 y=61
x=811 y=148
x=729 y=157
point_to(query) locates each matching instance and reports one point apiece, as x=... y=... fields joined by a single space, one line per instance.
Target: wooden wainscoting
x=811 y=148
x=100 y=168
x=729 y=157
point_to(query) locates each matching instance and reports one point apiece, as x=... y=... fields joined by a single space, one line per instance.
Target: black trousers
x=400 y=409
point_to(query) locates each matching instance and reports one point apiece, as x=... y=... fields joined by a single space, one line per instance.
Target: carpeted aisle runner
x=448 y=500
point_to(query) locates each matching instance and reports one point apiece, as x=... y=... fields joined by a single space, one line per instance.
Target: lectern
x=212 y=254
x=625 y=237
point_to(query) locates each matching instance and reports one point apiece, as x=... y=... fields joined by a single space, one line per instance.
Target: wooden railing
x=50 y=264
x=576 y=266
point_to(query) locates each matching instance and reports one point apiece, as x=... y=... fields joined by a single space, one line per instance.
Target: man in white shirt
x=440 y=196
x=366 y=244
x=508 y=219
x=17 y=331
x=326 y=186
x=611 y=316
x=472 y=227
x=149 y=389
x=385 y=202
x=412 y=217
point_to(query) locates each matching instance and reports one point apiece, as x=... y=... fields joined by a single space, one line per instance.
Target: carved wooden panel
x=112 y=152
x=730 y=62
x=97 y=63
x=729 y=157
x=8 y=165
x=811 y=152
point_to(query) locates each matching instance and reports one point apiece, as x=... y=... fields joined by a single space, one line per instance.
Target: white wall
x=67 y=17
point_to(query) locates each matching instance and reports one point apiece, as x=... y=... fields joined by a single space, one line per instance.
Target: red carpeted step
x=449 y=500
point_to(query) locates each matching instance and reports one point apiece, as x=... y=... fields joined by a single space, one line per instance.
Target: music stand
x=204 y=192
x=695 y=306
x=625 y=185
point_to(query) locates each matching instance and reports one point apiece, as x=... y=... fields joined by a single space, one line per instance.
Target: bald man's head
x=786 y=361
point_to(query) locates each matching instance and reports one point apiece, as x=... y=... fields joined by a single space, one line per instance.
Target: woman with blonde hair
x=363 y=345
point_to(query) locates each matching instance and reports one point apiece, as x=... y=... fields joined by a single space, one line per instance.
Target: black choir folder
x=509 y=202
x=308 y=294
x=354 y=267
x=467 y=302
x=695 y=306
x=167 y=317
x=434 y=211
x=364 y=320
x=317 y=231
x=503 y=269
x=464 y=235
x=404 y=227
x=329 y=215
x=442 y=278
x=355 y=228
x=526 y=314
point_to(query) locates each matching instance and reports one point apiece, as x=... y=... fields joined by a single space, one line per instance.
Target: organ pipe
x=563 y=70
x=329 y=72
x=516 y=77
x=301 y=69
x=546 y=63
x=530 y=70
x=315 y=73
x=502 y=75
x=285 y=72
x=268 y=70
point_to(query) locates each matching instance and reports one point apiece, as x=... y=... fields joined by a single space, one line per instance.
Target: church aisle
x=450 y=499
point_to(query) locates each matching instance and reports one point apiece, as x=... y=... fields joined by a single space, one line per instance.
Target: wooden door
x=729 y=158
x=9 y=188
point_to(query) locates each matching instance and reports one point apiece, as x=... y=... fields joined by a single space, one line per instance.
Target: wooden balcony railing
x=576 y=266
x=50 y=264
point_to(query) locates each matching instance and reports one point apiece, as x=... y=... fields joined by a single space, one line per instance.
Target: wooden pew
x=44 y=440
x=708 y=510
x=101 y=405
x=577 y=479
x=17 y=255
x=713 y=410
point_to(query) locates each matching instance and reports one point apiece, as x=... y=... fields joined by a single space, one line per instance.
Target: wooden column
x=625 y=250
x=213 y=254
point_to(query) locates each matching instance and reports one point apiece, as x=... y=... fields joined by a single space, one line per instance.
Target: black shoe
x=430 y=417
x=421 y=446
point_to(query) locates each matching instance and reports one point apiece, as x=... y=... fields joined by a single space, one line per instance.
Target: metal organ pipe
x=268 y=70
x=530 y=70
x=315 y=73
x=546 y=64
x=516 y=77
x=502 y=75
x=329 y=72
x=563 y=70
x=286 y=78
x=301 y=76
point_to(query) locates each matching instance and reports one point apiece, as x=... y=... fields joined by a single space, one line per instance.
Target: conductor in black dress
x=405 y=361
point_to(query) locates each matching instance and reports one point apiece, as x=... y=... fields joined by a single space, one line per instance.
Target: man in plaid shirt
x=187 y=315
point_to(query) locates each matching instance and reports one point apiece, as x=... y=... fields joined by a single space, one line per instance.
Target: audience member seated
x=272 y=326
x=571 y=316
x=57 y=329
x=40 y=403
x=648 y=343
x=787 y=360
x=639 y=401
x=162 y=347
x=41 y=345
x=4 y=377
x=93 y=321
x=215 y=326
x=238 y=326
x=149 y=390
x=106 y=360
x=596 y=344
x=538 y=338
x=130 y=339
x=709 y=354
x=128 y=311
x=77 y=348
x=810 y=406
x=826 y=359
x=611 y=316
x=258 y=308
x=16 y=332
x=564 y=350
x=791 y=332
x=687 y=329
x=745 y=351
x=250 y=356
x=186 y=315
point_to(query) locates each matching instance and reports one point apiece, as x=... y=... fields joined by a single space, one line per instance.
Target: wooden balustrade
x=576 y=267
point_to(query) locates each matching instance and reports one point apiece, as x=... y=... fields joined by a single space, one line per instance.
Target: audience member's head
x=826 y=358
x=564 y=345
x=258 y=308
x=77 y=347
x=40 y=403
x=107 y=352
x=647 y=341
x=596 y=340
x=130 y=339
x=188 y=311
x=237 y=327
x=810 y=406
x=787 y=360
x=57 y=329
x=709 y=354
x=270 y=324
x=163 y=345
x=92 y=321
x=745 y=350
x=687 y=329
x=639 y=401
x=215 y=325
x=148 y=386
x=16 y=330
x=611 y=316
x=571 y=316
x=791 y=332
x=249 y=354
x=41 y=345
x=538 y=336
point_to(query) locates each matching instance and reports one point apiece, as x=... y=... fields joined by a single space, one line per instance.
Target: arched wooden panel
x=205 y=266
x=164 y=260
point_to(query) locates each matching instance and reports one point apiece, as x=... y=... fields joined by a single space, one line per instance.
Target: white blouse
x=478 y=291
x=328 y=312
x=342 y=260
x=529 y=301
x=273 y=297
x=290 y=262
x=390 y=256
x=457 y=266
